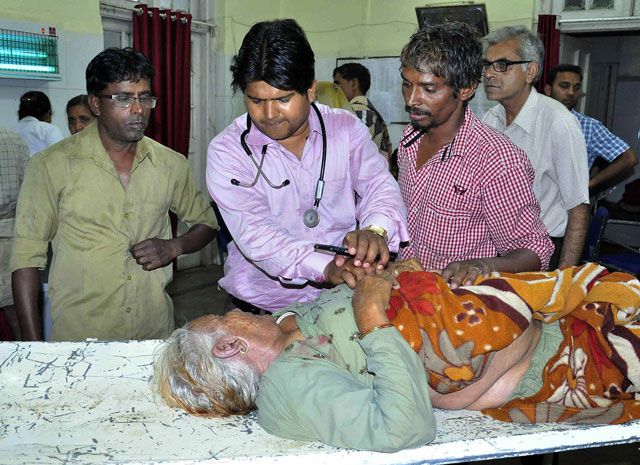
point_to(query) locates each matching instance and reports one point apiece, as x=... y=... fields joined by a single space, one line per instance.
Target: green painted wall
x=82 y=16
x=349 y=27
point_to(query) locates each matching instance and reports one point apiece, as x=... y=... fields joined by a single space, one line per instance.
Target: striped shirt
x=365 y=111
x=472 y=199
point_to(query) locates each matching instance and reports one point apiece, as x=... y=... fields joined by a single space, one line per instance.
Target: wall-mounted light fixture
x=28 y=51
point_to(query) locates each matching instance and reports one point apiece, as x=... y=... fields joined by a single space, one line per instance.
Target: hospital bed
x=90 y=403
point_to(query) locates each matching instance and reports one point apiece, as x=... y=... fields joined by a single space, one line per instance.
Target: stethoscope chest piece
x=311 y=218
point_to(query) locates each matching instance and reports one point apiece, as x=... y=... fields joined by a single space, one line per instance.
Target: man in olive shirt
x=102 y=198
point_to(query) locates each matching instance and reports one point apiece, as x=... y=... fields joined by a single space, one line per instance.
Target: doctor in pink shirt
x=277 y=192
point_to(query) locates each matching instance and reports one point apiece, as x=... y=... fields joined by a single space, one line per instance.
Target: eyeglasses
x=126 y=101
x=501 y=65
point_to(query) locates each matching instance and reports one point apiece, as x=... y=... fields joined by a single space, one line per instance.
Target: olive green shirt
x=72 y=195
x=368 y=393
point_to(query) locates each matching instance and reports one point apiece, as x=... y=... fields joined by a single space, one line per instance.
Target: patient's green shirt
x=367 y=394
x=72 y=195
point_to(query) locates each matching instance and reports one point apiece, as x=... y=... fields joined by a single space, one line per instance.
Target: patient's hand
x=370 y=300
x=413 y=264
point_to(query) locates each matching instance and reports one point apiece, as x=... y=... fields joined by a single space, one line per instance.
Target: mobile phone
x=344 y=251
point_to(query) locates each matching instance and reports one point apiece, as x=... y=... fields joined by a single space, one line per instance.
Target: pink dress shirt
x=271 y=262
x=472 y=199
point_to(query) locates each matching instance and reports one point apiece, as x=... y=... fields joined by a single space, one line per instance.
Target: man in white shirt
x=546 y=131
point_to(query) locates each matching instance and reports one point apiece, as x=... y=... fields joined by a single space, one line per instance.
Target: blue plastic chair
x=628 y=262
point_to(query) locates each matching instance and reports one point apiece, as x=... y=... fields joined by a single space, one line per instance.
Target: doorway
x=612 y=94
x=611 y=84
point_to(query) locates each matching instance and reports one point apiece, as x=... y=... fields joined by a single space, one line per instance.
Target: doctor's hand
x=347 y=272
x=365 y=245
x=154 y=253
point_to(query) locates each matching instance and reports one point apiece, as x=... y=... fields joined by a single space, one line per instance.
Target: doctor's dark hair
x=117 y=65
x=451 y=51
x=276 y=52
x=350 y=71
x=34 y=103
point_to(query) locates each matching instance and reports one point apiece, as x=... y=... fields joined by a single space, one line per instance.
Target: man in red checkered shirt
x=467 y=187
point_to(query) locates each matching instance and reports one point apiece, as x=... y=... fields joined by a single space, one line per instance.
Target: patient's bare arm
x=370 y=300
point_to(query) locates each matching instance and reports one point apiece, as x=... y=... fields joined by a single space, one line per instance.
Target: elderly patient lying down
x=361 y=369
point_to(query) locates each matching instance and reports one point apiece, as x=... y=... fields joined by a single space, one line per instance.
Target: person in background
x=103 y=198
x=564 y=84
x=327 y=93
x=35 y=126
x=79 y=114
x=467 y=188
x=14 y=155
x=546 y=131
x=355 y=80
x=284 y=176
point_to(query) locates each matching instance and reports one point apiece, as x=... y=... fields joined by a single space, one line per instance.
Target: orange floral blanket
x=593 y=378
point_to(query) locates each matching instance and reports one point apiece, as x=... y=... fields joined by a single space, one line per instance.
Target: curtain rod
x=593 y=20
x=118 y=7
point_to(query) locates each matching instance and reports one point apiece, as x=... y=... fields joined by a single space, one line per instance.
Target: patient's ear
x=228 y=346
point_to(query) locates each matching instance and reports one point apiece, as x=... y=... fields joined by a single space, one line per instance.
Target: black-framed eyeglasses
x=501 y=65
x=126 y=101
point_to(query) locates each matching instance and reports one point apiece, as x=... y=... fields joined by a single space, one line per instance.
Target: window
x=584 y=5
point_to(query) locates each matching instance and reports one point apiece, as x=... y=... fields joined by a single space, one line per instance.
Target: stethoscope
x=311 y=217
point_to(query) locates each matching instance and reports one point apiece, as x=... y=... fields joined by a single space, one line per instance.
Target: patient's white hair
x=187 y=375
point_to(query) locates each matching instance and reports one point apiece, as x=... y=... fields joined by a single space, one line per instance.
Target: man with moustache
x=546 y=131
x=467 y=188
x=564 y=84
x=102 y=197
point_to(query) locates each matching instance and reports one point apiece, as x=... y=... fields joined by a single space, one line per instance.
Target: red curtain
x=164 y=37
x=550 y=37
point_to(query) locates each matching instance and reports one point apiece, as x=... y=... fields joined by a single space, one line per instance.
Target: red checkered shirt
x=472 y=199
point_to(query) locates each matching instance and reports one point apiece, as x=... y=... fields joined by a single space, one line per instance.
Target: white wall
x=80 y=38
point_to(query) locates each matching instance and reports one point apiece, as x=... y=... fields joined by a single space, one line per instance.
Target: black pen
x=344 y=251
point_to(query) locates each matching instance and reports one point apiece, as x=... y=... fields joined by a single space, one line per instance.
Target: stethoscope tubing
x=319 y=185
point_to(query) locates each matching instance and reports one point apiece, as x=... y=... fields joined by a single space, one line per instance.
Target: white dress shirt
x=37 y=134
x=551 y=137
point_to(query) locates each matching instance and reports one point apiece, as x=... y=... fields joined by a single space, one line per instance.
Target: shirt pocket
x=451 y=226
x=338 y=205
x=153 y=219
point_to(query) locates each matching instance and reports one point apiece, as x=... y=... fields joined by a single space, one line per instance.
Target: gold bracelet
x=375 y=328
x=377 y=230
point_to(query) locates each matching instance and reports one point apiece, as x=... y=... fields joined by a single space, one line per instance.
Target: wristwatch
x=377 y=230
